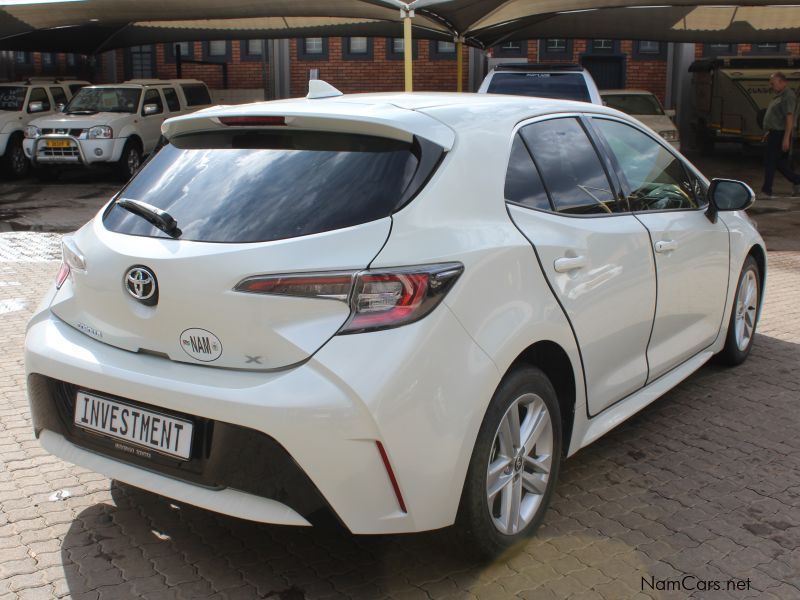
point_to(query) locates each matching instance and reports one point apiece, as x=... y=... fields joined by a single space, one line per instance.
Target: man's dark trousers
x=776 y=158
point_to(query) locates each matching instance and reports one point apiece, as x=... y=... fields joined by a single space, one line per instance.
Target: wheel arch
x=554 y=362
x=760 y=256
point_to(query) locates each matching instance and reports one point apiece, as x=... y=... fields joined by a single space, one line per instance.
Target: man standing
x=779 y=126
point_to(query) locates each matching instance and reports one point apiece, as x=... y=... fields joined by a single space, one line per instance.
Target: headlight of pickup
x=671 y=135
x=32 y=132
x=100 y=132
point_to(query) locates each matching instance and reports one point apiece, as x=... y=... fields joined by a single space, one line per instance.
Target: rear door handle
x=666 y=246
x=567 y=264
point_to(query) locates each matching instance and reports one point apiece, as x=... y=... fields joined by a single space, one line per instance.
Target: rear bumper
x=326 y=415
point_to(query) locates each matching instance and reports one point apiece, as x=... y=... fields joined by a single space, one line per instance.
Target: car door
x=595 y=254
x=691 y=253
x=150 y=125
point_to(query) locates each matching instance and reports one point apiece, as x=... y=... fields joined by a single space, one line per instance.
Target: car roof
x=434 y=115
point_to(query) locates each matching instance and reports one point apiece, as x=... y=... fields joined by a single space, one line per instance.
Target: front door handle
x=567 y=264
x=666 y=246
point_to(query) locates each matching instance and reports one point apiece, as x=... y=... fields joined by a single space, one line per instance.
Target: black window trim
x=392 y=55
x=169 y=52
x=434 y=53
x=566 y=54
x=605 y=162
x=756 y=51
x=623 y=184
x=660 y=55
x=207 y=56
x=709 y=52
x=347 y=54
x=590 y=49
x=498 y=52
x=244 y=54
x=303 y=55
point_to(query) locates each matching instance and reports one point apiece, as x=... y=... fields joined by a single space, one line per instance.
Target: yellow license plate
x=58 y=144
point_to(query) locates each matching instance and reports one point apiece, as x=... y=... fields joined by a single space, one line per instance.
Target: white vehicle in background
x=545 y=80
x=646 y=107
x=23 y=101
x=116 y=124
x=406 y=309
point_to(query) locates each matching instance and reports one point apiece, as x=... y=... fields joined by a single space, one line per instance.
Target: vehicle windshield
x=564 y=86
x=93 y=100
x=12 y=97
x=634 y=104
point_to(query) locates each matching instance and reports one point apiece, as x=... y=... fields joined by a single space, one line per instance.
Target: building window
x=22 y=58
x=313 y=48
x=650 y=50
x=768 y=48
x=720 y=49
x=557 y=48
x=357 y=48
x=71 y=59
x=186 y=49
x=252 y=49
x=395 y=48
x=603 y=46
x=511 y=49
x=443 y=50
x=140 y=62
x=48 y=62
x=217 y=50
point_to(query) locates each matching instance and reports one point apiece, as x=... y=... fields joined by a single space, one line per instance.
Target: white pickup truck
x=22 y=101
x=118 y=124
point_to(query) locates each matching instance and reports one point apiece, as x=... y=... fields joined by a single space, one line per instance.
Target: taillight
x=253 y=121
x=72 y=259
x=378 y=299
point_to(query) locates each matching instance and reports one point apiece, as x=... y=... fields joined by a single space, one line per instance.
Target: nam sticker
x=201 y=345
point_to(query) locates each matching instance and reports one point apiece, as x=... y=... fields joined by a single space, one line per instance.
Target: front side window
x=523 y=183
x=570 y=167
x=59 y=95
x=655 y=178
x=39 y=95
x=256 y=186
x=89 y=101
x=152 y=97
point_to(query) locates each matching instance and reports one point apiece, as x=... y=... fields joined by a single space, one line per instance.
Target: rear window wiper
x=155 y=216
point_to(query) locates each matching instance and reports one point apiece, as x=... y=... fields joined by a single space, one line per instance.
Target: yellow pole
x=460 y=63
x=408 y=49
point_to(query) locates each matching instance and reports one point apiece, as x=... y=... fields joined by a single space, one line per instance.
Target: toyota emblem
x=141 y=283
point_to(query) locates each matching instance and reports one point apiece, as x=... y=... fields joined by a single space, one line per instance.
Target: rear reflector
x=387 y=465
x=253 y=121
x=378 y=299
x=61 y=277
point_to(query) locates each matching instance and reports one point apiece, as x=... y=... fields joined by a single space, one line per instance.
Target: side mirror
x=671 y=113
x=728 y=195
x=35 y=107
x=150 y=109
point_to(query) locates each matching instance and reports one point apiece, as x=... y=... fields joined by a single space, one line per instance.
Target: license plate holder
x=58 y=143
x=135 y=429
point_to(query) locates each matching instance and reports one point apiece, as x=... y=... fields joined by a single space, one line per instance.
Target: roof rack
x=532 y=67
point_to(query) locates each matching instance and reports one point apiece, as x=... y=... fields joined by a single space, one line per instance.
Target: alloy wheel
x=746 y=308
x=519 y=464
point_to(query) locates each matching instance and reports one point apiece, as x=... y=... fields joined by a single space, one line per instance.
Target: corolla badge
x=201 y=345
x=141 y=283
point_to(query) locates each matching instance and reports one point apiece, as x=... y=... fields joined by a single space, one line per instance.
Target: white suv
x=118 y=124
x=403 y=308
x=22 y=101
x=546 y=80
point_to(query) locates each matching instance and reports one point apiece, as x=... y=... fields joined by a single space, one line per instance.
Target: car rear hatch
x=251 y=200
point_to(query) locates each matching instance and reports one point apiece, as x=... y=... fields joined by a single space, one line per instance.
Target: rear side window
x=565 y=86
x=523 y=183
x=249 y=186
x=171 y=97
x=196 y=94
x=570 y=167
x=59 y=95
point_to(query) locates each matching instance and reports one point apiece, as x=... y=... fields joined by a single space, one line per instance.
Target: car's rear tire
x=744 y=315
x=16 y=163
x=130 y=161
x=514 y=465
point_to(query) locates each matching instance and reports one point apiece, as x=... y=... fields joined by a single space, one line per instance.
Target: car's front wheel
x=130 y=161
x=744 y=315
x=17 y=164
x=514 y=464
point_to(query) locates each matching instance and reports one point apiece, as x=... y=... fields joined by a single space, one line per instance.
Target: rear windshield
x=90 y=100
x=260 y=186
x=196 y=94
x=564 y=86
x=12 y=97
x=634 y=104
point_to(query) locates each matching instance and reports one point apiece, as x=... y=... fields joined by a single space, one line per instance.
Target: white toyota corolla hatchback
x=404 y=309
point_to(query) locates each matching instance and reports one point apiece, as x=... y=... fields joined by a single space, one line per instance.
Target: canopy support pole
x=460 y=63
x=408 y=51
